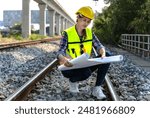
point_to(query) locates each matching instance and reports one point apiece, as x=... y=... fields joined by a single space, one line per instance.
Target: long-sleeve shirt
x=63 y=44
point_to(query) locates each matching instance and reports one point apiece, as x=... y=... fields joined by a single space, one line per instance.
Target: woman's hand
x=65 y=61
x=102 y=52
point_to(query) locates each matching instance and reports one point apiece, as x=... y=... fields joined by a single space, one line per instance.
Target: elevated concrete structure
x=26 y=18
x=42 y=19
x=58 y=17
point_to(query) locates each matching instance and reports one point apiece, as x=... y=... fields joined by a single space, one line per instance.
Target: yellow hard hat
x=86 y=11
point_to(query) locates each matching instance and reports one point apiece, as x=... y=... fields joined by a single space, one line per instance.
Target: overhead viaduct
x=58 y=17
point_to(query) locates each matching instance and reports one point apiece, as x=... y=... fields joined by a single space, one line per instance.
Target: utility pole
x=95 y=2
x=96 y=13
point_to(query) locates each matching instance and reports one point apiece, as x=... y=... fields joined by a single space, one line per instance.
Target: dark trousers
x=76 y=75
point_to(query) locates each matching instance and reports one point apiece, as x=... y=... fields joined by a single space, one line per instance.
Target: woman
x=75 y=41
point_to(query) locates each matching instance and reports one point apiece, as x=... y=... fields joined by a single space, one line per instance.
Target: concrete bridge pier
x=52 y=22
x=66 y=24
x=42 y=21
x=26 y=18
x=58 y=24
x=62 y=24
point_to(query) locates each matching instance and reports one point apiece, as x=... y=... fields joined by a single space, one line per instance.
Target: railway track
x=130 y=82
x=23 y=91
x=20 y=44
x=134 y=79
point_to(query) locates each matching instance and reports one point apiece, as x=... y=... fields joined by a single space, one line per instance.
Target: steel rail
x=111 y=89
x=24 y=90
x=12 y=45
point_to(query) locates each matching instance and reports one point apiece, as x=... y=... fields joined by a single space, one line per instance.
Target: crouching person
x=75 y=41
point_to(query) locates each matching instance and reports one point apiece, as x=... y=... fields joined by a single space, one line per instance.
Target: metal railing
x=138 y=44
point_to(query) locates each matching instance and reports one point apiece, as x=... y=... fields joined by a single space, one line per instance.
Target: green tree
x=117 y=19
x=141 y=23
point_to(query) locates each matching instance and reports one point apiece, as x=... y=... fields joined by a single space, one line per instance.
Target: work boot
x=73 y=87
x=97 y=92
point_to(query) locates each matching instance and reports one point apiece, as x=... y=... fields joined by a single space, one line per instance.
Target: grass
x=36 y=37
x=15 y=39
x=4 y=40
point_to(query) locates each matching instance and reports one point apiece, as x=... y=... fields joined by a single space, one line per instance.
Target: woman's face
x=83 y=22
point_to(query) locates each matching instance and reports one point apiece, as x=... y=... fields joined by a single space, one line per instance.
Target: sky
x=70 y=6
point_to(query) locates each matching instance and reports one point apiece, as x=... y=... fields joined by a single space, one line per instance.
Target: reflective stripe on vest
x=74 y=43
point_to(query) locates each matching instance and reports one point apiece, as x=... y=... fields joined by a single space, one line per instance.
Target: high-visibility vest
x=75 y=45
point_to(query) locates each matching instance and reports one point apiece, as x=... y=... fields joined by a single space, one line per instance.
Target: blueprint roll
x=107 y=59
x=84 y=61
